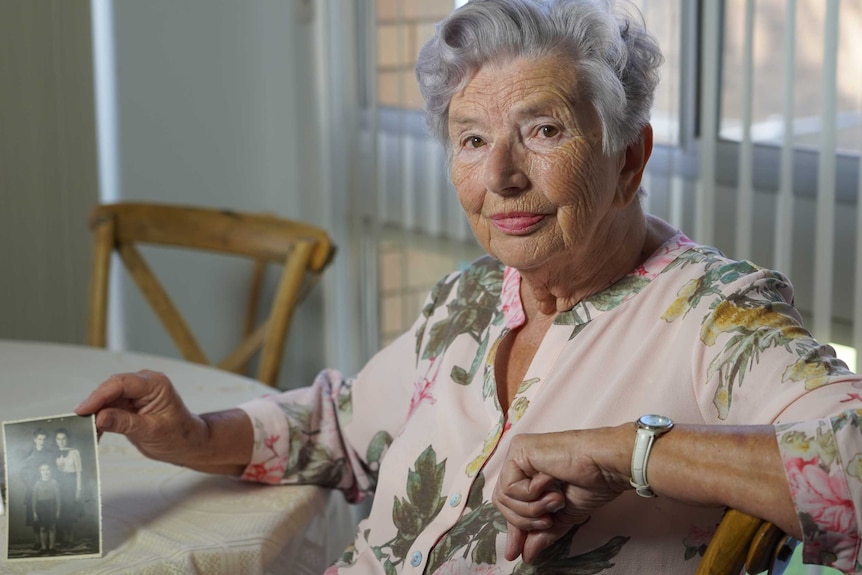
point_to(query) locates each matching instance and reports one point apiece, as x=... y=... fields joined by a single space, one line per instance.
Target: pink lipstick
x=517 y=223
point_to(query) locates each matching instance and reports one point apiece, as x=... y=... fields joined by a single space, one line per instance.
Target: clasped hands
x=551 y=482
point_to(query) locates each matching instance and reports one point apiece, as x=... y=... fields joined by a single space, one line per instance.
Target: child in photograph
x=39 y=453
x=46 y=508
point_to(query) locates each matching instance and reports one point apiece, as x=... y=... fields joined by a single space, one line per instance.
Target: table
x=158 y=518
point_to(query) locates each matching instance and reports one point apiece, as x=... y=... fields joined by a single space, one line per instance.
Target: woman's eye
x=474 y=142
x=549 y=131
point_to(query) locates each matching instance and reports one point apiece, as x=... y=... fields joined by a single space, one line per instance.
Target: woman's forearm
x=551 y=482
x=731 y=466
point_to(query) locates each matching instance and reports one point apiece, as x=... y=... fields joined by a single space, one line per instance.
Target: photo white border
x=93 y=435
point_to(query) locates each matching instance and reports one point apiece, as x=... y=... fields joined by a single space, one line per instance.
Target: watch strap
x=649 y=428
x=643 y=445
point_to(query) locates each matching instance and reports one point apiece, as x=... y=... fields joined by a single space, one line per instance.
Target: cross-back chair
x=303 y=250
x=745 y=541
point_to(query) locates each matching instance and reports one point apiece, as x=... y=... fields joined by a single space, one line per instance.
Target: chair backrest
x=303 y=250
x=745 y=541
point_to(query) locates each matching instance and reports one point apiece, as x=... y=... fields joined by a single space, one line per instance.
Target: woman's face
x=528 y=166
x=62 y=440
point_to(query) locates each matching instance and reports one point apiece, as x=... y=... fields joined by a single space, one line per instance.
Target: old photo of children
x=53 y=504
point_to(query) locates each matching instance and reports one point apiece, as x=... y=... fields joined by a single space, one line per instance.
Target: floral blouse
x=690 y=334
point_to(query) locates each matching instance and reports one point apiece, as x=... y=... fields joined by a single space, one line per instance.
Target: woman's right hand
x=146 y=408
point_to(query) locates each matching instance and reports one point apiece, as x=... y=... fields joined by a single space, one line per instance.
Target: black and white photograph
x=53 y=505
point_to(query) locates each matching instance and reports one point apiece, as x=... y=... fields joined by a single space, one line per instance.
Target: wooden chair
x=303 y=250
x=745 y=541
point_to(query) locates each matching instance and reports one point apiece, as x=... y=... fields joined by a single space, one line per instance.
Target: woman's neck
x=630 y=242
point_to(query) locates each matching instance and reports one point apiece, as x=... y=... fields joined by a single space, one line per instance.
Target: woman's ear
x=634 y=162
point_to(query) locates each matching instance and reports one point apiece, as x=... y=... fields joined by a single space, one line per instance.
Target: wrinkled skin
x=538 y=191
x=554 y=481
x=146 y=408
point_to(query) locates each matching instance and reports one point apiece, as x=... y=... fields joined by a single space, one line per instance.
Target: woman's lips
x=517 y=223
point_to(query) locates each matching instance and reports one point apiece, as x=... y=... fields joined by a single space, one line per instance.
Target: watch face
x=655 y=421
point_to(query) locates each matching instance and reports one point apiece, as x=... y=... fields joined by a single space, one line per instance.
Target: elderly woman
x=523 y=377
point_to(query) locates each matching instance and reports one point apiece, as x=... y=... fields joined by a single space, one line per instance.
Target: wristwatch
x=649 y=428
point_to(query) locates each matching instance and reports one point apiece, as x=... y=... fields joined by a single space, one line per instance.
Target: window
x=782 y=29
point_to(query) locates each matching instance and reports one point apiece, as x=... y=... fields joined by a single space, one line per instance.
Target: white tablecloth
x=159 y=518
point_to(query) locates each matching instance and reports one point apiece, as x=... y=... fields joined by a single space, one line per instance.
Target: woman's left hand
x=551 y=482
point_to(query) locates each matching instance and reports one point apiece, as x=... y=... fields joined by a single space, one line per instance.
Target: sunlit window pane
x=768 y=101
x=663 y=20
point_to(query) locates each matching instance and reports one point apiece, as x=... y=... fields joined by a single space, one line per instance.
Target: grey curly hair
x=616 y=58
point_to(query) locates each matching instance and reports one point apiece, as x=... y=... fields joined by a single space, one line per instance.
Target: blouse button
x=416 y=559
x=455 y=500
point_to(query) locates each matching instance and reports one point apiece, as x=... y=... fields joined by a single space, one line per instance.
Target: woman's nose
x=503 y=170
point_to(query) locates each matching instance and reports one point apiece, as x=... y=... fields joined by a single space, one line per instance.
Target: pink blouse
x=690 y=334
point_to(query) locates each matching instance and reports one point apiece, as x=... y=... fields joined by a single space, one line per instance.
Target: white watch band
x=649 y=428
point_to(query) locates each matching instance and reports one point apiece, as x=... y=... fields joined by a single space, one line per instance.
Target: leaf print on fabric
x=309 y=461
x=813 y=367
x=854 y=468
x=411 y=515
x=697 y=255
x=799 y=444
x=718 y=272
x=462 y=566
x=344 y=401
x=613 y=296
x=526 y=384
x=621 y=291
x=555 y=560
x=578 y=316
x=462 y=377
x=696 y=541
x=376 y=449
x=851 y=417
x=757 y=318
x=471 y=311
x=347 y=558
x=756 y=327
x=438 y=296
x=489 y=380
x=474 y=536
x=518 y=408
x=487 y=448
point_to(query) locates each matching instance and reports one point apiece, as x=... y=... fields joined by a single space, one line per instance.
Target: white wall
x=216 y=106
x=48 y=169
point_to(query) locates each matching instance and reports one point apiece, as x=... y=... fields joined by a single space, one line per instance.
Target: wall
x=216 y=106
x=48 y=168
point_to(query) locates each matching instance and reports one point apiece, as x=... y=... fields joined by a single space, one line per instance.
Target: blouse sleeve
x=758 y=364
x=823 y=464
x=335 y=432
